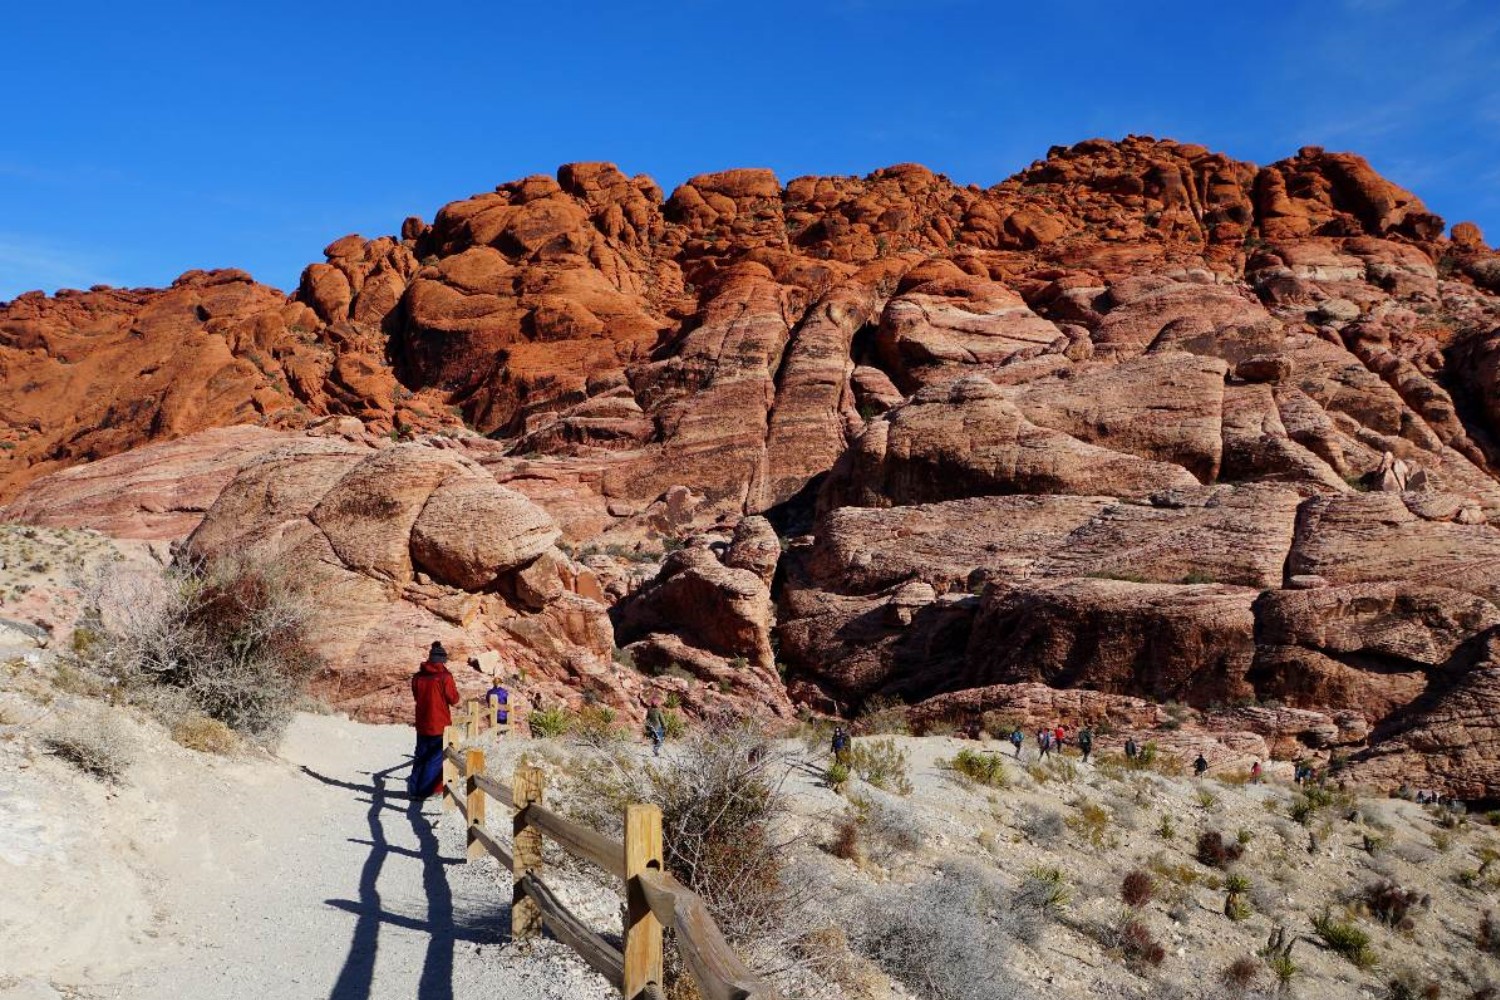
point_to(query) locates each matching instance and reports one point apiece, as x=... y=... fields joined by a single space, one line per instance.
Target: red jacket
x=434 y=691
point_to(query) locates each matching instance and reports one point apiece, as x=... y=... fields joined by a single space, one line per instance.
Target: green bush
x=984 y=768
x=881 y=763
x=548 y=723
x=1347 y=939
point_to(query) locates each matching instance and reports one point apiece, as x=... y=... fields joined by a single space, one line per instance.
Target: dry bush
x=1137 y=889
x=199 y=732
x=1090 y=821
x=1346 y=938
x=103 y=750
x=1216 y=852
x=723 y=814
x=1138 y=944
x=882 y=715
x=888 y=826
x=232 y=634
x=1407 y=984
x=1241 y=976
x=1043 y=825
x=594 y=726
x=982 y=768
x=946 y=938
x=845 y=843
x=1392 y=905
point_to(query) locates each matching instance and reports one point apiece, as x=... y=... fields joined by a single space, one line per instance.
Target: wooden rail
x=653 y=898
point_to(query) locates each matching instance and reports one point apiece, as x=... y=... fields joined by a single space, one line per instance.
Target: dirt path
x=321 y=881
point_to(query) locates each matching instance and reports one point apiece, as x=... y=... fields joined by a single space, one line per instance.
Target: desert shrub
x=548 y=723
x=1137 y=889
x=1137 y=943
x=924 y=936
x=845 y=843
x=984 y=768
x=881 y=763
x=1407 y=984
x=1236 y=906
x=1207 y=799
x=1346 y=938
x=199 y=732
x=594 y=726
x=1166 y=829
x=1043 y=824
x=674 y=726
x=102 y=751
x=1241 y=976
x=882 y=715
x=1488 y=937
x=1045 y=890
x=1392 y=905
x=835 y=775
x=1283 y=967
x=888 y=825
x=815 y=733
x=1245 y=836
x=234 y=635
x=1216 y=852
x=1090 y=821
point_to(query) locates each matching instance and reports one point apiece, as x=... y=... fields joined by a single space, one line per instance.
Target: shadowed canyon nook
x=1141 y=424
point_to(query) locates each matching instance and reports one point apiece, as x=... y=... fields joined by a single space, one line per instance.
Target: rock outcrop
x=1141 y=420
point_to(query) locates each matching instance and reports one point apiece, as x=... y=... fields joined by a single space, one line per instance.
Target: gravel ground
x=320 y=881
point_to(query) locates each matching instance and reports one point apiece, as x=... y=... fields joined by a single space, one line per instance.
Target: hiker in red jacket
x=433 y=689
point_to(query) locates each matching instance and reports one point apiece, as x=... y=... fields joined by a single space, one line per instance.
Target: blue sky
x=142 y=140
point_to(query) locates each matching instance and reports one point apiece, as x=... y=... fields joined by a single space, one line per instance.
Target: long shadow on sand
x=356 y=980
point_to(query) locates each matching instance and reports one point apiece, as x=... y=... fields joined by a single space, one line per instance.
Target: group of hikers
x=435 y=694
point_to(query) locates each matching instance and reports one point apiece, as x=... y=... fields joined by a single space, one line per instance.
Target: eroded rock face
x=1140 y=419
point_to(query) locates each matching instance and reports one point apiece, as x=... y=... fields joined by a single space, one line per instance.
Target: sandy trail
x=321 y=881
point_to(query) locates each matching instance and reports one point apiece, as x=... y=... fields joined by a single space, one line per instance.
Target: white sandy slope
x=223 y=879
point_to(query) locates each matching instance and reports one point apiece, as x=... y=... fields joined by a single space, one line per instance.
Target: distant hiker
x=1131 y=750
x=1200 y=766
x=1016 y=739
x=435 y=693
x=498 y=700
x=1044 y=741
x=1255 y=773
x=1059 y=738
x=840 y=745
x=1086 y=742
x=656 y=726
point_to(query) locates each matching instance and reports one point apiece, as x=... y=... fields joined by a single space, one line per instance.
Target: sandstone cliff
x=1142 y=420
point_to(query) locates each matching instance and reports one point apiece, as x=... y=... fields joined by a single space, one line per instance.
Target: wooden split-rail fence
x=653 y=898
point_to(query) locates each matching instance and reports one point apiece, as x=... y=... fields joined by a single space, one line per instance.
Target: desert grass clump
x=1137 y=888
x=1043 y=825
x=845 y=842
x=101 y=751
x=981 y=768
x=1215 y=851
x=1046 y=890
x=1090 y=822
x=1347 y=939
x=836 y=775
x=199 y=732
x=881 y=763
x=594 y=726
x=924 y=936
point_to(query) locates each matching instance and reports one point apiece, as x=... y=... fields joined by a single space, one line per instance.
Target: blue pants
x=426 y=776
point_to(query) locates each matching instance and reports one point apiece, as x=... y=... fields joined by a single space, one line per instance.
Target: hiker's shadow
x=486 y=921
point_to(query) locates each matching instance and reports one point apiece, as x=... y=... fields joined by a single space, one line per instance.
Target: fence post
x=642 y=930
x=474 y=802
x=473 y=720
x=527 y=787
x=450 y=772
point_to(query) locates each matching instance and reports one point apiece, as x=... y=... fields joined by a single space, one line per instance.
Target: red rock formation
x=1142 y=418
